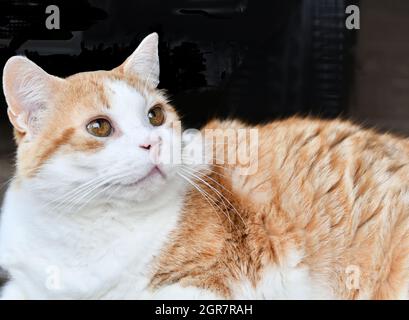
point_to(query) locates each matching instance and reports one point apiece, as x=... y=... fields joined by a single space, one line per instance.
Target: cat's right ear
x=28 y=90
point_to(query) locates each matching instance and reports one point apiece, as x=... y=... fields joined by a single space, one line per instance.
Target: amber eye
x=100 y=128
x=156 y=116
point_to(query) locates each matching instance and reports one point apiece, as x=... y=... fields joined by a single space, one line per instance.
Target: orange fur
x=329 y=189
x=335 y=192
x=82 y=96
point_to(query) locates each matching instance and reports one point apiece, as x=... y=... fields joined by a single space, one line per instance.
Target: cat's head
x=106 y=130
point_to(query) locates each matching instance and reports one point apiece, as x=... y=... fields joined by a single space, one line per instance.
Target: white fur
x=100 y=253
x=27 y=88
x=58 y=241
x=100 y=247
x=289 y=280
x=179 y=292
x=103 y=247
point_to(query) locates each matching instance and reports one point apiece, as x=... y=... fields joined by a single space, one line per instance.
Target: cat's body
x=325 y=215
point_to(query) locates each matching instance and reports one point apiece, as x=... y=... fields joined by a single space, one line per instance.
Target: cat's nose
x=146 y=146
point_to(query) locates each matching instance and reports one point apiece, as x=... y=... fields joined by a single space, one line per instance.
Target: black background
x=255 y=60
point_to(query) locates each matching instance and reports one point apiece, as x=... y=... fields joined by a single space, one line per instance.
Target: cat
x=95 y=212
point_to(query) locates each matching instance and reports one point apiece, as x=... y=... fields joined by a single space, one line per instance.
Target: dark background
x=254 y=60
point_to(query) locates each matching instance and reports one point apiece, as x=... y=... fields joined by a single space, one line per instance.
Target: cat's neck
x=53 y=205
x=106 y=240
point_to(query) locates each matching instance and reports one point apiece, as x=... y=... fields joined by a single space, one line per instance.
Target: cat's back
x=326 y=202
x=341 y=193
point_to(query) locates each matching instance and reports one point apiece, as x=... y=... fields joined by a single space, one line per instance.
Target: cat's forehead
x=107 y=89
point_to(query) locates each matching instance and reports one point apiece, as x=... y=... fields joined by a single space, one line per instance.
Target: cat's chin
x=150 y=178
x=156 y=185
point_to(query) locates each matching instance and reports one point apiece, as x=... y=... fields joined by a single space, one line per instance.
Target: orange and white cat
x=93 y=211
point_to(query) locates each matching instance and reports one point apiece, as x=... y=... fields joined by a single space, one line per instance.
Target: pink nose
x=146 y=146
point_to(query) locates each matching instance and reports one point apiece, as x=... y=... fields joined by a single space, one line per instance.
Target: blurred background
x=254 y=60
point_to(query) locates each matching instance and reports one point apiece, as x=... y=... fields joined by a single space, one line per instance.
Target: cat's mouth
x=154 y=172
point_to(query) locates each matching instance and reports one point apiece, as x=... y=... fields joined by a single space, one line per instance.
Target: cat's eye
x=100 y=128
x=156 y=115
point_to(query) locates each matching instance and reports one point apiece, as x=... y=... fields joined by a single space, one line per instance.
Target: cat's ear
x=27 y=89
x=144 y=61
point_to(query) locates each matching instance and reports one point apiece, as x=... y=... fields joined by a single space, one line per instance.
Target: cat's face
x=107 y=130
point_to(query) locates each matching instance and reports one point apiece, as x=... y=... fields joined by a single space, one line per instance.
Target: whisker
x=6 y=183
x=73 y=193
x=207 y=176
x=92 y=197
x=226 y=209
x=79 y=189
x=108 y=180
x=71 y=202
x=221 y=195
x=205 y=195
x=204 y=169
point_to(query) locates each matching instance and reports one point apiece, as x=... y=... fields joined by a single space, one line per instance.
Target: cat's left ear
x=144 y=62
